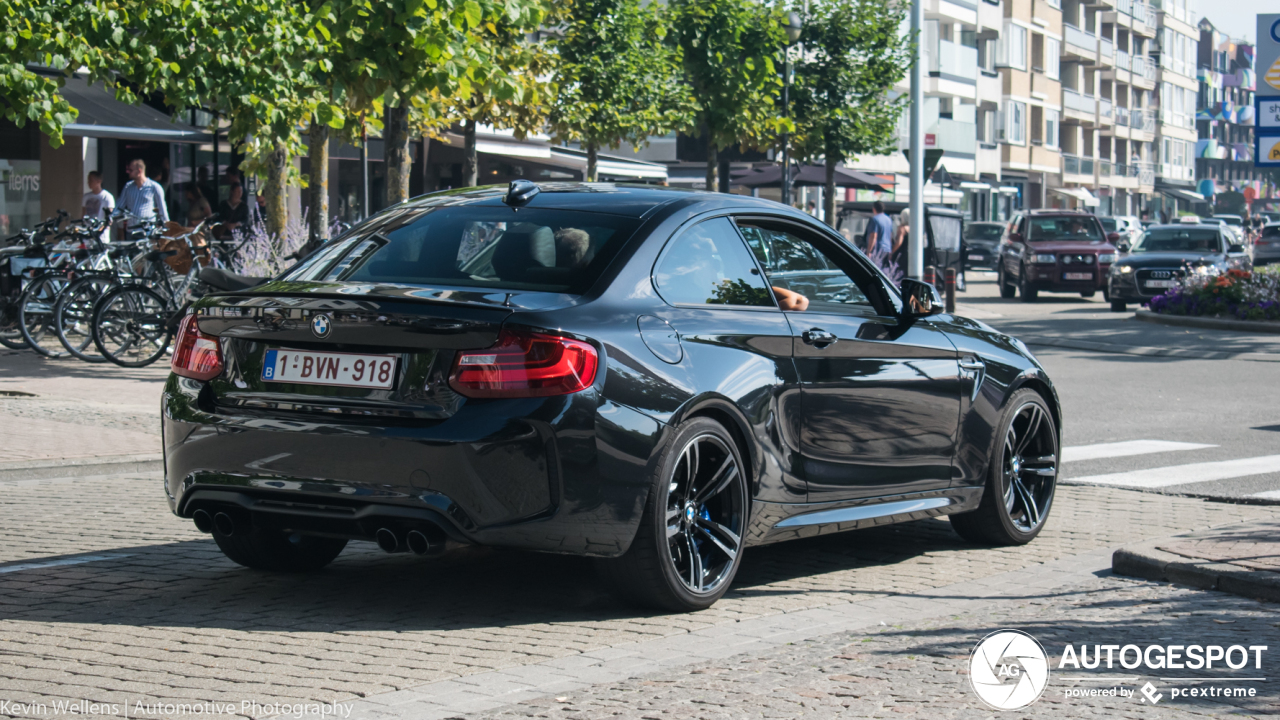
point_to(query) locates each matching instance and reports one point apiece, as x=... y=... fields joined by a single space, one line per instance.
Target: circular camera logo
x=1009 y=669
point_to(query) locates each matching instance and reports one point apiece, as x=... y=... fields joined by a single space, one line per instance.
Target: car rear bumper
x=564 y=474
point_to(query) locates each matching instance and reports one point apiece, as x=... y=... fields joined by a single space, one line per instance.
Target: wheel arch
x=723 y=411
x=1050 y=396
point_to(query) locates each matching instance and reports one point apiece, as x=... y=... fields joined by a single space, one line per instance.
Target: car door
x=881 y=399
x=1011 y=251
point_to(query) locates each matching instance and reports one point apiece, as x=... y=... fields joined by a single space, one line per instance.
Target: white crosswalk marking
x=1125 y=449
x=1182 y=474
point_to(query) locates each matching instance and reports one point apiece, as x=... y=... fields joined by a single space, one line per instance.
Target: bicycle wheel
x=35 y=314
x=130 y=326
x=10 y=333
x=73 y=315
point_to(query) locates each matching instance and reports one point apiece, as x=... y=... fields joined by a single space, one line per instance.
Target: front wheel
x=1007 y=289
x=73 y=315
x=1026 y=291
x=1022 y=478
x=35 y=314
x=689 y=544
x=130 y=326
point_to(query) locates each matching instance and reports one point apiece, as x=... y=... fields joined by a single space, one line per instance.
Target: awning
x=102 y=116
x=1081 y=194
x=968 y=185
x=612 y=167
x=1181 y=194
x=1008 y=190
x=808 y=176
x=932 y=193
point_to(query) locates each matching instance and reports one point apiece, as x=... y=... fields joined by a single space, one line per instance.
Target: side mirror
x=1233 y=249
x=920 y=299
x=1015 y=237
x=1113 y=237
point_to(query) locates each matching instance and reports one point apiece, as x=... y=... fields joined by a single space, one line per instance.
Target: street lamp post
x=793 y=28
x=915 y=240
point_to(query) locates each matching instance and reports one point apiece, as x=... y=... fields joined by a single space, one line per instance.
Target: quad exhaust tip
x=426 y=542
x=224 y=524
x=389 y=541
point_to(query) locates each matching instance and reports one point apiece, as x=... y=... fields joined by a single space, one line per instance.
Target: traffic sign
x=1266 y=130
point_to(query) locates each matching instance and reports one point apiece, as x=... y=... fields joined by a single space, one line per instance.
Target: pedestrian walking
x=143 y=196
x=97 y=203
x=879 y=237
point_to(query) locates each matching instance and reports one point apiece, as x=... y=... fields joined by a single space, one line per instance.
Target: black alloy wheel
x=1022 y=479
x=1007 y=289
x=689 y=545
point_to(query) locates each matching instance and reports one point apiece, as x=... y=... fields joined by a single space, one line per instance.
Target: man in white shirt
x=97 y=203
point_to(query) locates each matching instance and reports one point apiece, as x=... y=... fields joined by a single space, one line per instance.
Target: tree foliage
x=843 y=105
x=617 y=78
x=729 y=51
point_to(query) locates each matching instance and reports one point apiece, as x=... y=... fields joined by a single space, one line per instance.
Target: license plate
x=322 y=368
x=1077 y=276
x=977 y=257
x=1160 y=283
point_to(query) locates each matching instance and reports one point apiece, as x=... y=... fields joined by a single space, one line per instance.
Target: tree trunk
x=829 y=193
x=399 y=161
x=276 y=191
x=470 y=165
x=593 y=162
x=318 y=183
x=712 y=163
x=723 y=180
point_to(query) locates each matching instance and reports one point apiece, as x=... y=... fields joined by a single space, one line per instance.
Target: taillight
x=196 y=355
x=524 y=365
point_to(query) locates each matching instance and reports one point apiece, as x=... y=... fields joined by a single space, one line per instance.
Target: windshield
x=471 y=246
x=1083 y=228
x=1179 y=240
x=1109 y=224
x=1230 y=219
x=984 y=231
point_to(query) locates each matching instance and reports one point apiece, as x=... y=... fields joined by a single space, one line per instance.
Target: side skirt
x=777 y=522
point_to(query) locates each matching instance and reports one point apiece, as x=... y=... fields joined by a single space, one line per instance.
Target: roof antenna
x=520 y=192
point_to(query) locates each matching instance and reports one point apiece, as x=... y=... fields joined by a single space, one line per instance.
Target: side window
x=708 y=265
x=794 y=264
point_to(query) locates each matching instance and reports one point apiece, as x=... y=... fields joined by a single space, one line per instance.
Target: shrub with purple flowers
x=262 y=254
x=1235 y=294
x=887 y=265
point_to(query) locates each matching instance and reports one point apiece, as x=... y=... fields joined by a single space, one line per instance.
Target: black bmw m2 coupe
x=656 y=378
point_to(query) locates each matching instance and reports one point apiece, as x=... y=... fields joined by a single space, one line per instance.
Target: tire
x=1014 y=513
x=1026 y=292
x=262 y=549
x=659 y=570
x=73 y=315
x=131 y=326
x=35 y=314
x=1118 y=306
x=1007 y=291
x=1088 y=294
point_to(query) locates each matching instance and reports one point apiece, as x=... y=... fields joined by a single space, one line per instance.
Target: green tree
x=729 y=52
x=853 y=55
x=617 y=78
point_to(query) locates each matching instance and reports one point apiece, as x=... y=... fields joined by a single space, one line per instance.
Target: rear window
x=984 y=231
x=1271 y=231
x=489 y=247
x=1077 y=227
x=1109 y=224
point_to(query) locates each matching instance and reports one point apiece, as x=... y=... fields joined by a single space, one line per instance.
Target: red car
x=1065 y=251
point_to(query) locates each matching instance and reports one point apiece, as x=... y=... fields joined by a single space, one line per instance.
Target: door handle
x=818 y=337
x=972 y=363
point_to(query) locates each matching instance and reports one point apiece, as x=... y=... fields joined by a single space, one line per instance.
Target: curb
x=1254 y=326
x=1145 y=561
x=1090 y=345
x=81 y=467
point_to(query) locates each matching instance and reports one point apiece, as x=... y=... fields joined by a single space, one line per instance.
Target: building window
x=1014 y=128
x=1013 y=47
x=1050 y=128
x=1051 y=53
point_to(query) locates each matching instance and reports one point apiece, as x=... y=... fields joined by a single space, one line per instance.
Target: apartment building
x=1029 y=119
x=1174 y=54
x=1125 y=170
x=1225 y=116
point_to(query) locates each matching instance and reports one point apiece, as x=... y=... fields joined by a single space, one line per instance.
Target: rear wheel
x=1007 y=289
x=130 y=326
x=10 y=331
x=1026 y=290
x=35 y=314
x=272 y=550
x=689 y=544
x=73 y=316
x=1022 y=478
x=1118 y=306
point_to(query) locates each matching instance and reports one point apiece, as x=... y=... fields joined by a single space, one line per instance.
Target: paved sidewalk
x=1243 y=559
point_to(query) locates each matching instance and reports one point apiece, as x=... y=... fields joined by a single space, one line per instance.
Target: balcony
x=1072 y=100
x=1122 y=59
x=1146 y=173
x=1125 y=6
x=1106 y=48
x=958 y=63
x=1122 y=116
x=955 y=137
x=1104 y=111
x=1085 y=43
x=1073 y=165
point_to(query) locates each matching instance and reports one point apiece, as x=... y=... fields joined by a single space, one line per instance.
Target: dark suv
x=1055 y=251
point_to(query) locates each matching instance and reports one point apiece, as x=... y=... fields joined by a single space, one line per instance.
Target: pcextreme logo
x=1009 y=670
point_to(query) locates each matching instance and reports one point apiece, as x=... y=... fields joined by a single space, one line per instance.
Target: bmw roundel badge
x=321 y=324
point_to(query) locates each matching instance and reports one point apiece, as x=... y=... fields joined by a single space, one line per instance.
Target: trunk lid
x=419 y=328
